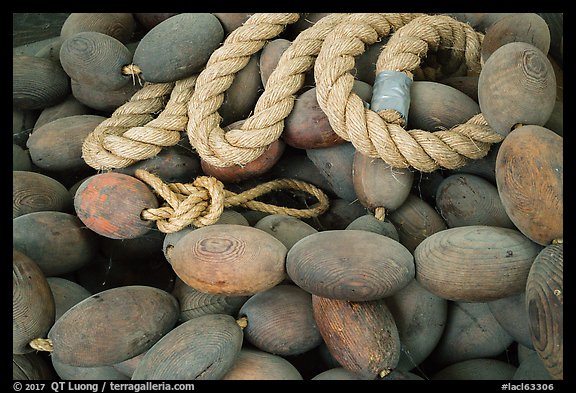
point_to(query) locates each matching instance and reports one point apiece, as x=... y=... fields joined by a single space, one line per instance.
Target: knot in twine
x=201 y=202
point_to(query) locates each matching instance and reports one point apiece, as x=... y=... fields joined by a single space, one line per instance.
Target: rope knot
x=202 y=202
x=199 y=203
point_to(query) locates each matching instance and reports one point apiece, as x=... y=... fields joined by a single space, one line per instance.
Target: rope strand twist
x=329 y=47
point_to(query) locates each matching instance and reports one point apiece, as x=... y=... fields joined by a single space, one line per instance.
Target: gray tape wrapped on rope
x=392 y=91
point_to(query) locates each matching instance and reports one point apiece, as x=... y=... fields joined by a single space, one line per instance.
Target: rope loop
x=201 y=202
x=329 y=47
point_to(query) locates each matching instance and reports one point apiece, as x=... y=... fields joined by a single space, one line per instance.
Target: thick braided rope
x=201 y=202
x=138 y=111
x=204 y=130
x=382 y=134
x=121 y=141
x=126 y=138
x=238 y=147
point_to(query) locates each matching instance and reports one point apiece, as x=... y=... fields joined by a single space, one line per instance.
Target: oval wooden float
x=517 y=85
x=378 y=185
x=521 y=27
x=420 y=317
x=289 y=230
x=281 y=321
x=530 y=179
x=471 y=332
x=33 y=192
x=33 y=306
x=178 y=47
x=350 y=265
x=545 y=305
x=58 y=242
x=113 y=325
x=475 y=263
x=362 y=336
x=96 y=59
x=38 y=83
x=111 y=204
x=206 y=347
x=57 y=145
x=229 y=259
x=466 y=199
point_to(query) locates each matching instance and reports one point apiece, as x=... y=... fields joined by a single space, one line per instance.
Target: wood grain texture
x=281 y=321
x=228 y=216
x=38 y=83
x=545 y=305
x=194 y=303
x=31 y=367
x=229 y=259
x=499 y=259
x=466 y=199
x=113 y=325
x=350 y=265
x=203 y=348
x=521 y=27
x=517 y=85
x=259 y=365
x=111 y=204
x=33 y=192
x=530 y=178
x=96 y=59
x=121 y=26
x=362 y=336
x=32 y=303
x=415 y=220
